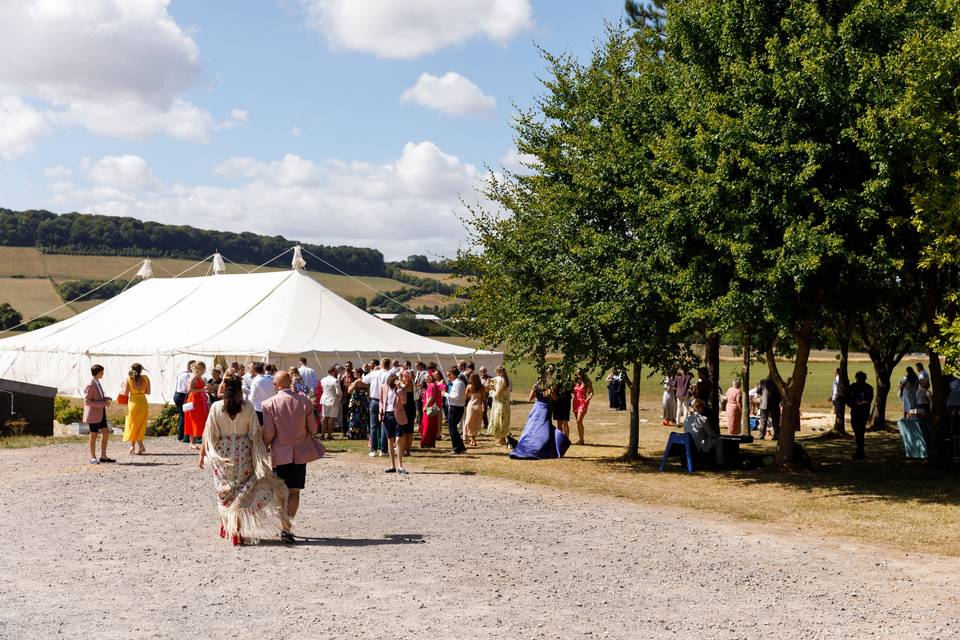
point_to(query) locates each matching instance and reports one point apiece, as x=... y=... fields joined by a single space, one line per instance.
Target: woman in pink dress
x=582 y=395
x=430 y=420
x=734 y=408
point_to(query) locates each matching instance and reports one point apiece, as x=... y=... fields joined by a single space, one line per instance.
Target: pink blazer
x=94 y=403
x=400 y=399
x=288 y=428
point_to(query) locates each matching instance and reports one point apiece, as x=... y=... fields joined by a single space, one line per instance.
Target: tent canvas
x=164 y=322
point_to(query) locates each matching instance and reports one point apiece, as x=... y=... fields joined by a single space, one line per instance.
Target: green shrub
x=165 y=424
x=65 y=411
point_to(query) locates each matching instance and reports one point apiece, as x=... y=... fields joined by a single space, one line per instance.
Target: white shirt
x=261 y=388
x=457 y=393
x=376 y=379
x=923 y=375
x=183 y=382
x=309 y=377
x=836 y=388
x=246 y=381
x=699 y=429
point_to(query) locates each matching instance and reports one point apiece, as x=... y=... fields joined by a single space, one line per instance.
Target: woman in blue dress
x=540 y=439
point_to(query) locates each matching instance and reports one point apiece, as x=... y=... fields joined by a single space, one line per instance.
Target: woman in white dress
x=329 y=399
x=669 y=401
x=251 y=499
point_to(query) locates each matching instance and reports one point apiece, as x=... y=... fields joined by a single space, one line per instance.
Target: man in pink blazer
x=288 y=429
x=393 y=396
x=95 y=404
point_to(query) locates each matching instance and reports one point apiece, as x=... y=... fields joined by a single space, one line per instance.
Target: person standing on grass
x=180 y=392
x=261 y=388
x=137 y=388
x=769 y=407
x=375 y=379
x=288 y=429
x=922 y=373
x=95 y=404
x=582 y=395
x=681 y=382
x=329 y=399
x=734 y=408
x=859 y=398
x=419 y=385
x=908 y=391
x=347 y=378
x=476 y=395
x=456 y=398
x=309 y=376
x=432 y=397
x=409 y=408
x=393 y=417
x=669 y=400
x=499 y=425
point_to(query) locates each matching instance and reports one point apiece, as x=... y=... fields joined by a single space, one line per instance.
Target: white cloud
x=412 y=28
x=409 y=205
x=122 y=172
x=236 y=118
x=295 y=131
x=57 y=171
x=115 y=68
x=450 y=93
x=518 y=162
x=20 y=126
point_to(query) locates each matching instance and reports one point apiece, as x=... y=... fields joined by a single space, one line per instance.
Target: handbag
x=432 y=410
x=123 y=398
x=187 y=406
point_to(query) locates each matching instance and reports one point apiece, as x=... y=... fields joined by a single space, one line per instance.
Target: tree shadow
x=885 y=474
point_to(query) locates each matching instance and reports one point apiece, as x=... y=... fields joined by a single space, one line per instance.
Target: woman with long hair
x=908 y=391
x=476 y=401
x=195 y=417
x=540 y=439
x=358 y=410
x=432 y=398
x=252 y=501
x=582 y=395
x=499 y=425
x=136 y=387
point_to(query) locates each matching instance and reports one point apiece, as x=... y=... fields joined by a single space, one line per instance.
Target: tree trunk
x=633 y=447
x=882 y=374
x=938 y=408
x=711 y=354
x=838 y=423
x=792 y=391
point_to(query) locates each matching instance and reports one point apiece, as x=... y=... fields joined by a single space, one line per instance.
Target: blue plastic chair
x=675 y=443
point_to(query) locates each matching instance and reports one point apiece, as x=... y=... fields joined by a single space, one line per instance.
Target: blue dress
x=540 y=440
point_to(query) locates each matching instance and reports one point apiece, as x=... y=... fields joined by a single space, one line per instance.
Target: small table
x=731 y=449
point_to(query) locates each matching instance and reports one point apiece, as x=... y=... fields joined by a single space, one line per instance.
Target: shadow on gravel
x=392 y=539
x=159 y=455
x=147 y=464
x=443 y=473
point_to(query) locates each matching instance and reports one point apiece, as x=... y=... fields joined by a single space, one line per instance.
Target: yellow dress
x=135 y=427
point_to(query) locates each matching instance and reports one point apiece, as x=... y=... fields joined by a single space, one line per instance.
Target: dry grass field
x=34 y=294
x=442 y=277
x=432 y=300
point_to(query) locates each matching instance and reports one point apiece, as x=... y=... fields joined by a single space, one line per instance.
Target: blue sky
x=337 y=121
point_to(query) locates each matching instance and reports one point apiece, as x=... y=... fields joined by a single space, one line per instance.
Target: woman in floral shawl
x=252 y=501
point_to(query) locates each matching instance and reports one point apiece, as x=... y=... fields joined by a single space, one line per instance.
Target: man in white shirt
x=330 y=398
x=247 y=380
x=309 y=376
x=456 y=399
x=180 y=396
x=374 y=380
x=705 y=439
x=261 y=388
x=922 y=373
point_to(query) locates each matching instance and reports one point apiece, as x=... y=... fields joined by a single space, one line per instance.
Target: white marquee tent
x=164 y=322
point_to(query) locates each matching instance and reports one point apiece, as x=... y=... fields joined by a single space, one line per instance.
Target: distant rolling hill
x=28 y=277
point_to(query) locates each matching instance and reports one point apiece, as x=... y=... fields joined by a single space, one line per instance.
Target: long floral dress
x=500 y=409
x=252 y=501
x=358 y=408
x=430 y=424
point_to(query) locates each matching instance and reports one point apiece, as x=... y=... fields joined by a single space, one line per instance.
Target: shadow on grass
x=390 y=539
x=885 y=474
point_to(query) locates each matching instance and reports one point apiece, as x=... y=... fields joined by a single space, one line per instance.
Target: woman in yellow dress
x=137 y=387
x=500 y=408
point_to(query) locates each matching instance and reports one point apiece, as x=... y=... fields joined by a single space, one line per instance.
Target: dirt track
x=130 y=551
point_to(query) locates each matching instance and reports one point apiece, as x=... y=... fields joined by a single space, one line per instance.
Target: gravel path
x=130 y=551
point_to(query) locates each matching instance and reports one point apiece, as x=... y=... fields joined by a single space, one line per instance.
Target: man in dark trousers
x=769 y=407
x=859 y=398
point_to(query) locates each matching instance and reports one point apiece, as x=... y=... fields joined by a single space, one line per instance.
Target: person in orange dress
x=196 y=417
x=734 y=408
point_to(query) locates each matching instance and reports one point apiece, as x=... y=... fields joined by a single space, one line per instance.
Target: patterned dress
x=358 y=408
x=252 y=501
x=500 y=409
